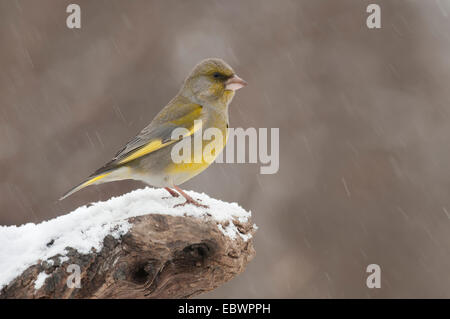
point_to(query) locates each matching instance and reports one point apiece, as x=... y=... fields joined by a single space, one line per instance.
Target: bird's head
x=212 y=81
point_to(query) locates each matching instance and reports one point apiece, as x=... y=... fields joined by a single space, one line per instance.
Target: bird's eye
x=217 y=75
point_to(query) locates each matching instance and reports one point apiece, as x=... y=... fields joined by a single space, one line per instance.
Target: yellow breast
x=201 y=157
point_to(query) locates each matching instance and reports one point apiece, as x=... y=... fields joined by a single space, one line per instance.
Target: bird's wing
x=157 y=134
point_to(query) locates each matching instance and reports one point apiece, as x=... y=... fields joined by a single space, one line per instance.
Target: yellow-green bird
x=204 y=96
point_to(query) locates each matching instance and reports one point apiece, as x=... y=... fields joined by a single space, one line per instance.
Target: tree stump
x=161 y=256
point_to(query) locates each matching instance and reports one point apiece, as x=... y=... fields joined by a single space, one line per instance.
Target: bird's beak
x=234 y=83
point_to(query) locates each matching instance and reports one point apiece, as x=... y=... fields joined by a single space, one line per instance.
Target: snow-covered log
x=134 y=246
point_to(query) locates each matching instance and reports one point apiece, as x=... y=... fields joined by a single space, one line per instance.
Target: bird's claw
x=193 y=202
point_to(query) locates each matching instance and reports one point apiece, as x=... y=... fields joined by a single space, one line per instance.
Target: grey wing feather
x=159 y=128
x=162 y=132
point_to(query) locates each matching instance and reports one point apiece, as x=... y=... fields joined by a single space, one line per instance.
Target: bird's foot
x=172 y=192
x=193 y=202
x=189 y=199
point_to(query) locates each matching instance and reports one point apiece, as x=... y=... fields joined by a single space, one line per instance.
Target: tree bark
x=161 y=256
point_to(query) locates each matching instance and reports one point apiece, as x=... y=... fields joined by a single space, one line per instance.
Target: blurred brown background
x=363 y=117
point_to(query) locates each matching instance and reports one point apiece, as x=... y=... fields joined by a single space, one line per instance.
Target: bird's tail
x=91 y=180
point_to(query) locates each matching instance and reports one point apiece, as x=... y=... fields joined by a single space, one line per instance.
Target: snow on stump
x=133 y=246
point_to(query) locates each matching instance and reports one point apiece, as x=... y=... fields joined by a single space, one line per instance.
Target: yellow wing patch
x=158 y=144
x=150 y=147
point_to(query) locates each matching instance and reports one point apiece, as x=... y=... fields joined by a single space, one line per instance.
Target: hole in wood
x=140 y=274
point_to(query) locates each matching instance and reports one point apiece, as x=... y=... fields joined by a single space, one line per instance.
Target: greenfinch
x=203 y=98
